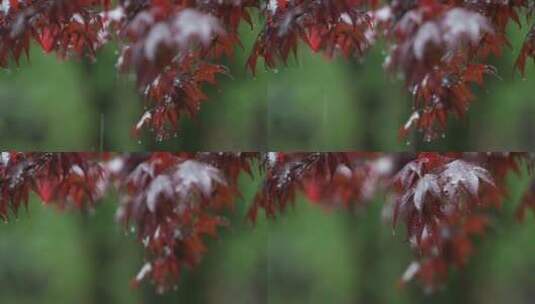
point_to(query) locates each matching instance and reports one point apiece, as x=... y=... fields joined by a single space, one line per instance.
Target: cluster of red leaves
x=170 y=46
x=332 y=179
x=288 y=173
x=64 y=178
x=175 y=92
x=63 y=26
x=440 y=48
x=439 y=199
x=437 y=47
x=352 y=183
x=175 y=200
x=323 y=25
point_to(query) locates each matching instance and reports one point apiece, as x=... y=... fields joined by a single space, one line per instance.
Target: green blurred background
x=312 y=104
x=307 y=255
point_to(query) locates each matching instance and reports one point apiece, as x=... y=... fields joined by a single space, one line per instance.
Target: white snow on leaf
x=272 y=158
x=78 y=18
x=120 y=60
x=427 y=184
x=346 y=18
x=161 y=185
x=141 y=174
x=102 y=186
x=461 y=173
x=405 y=175
x=19 y=26
x=193 y=174
x=272 y=6
x=344 y=170
x=383 y=165
x=145 y=241
x=182 y=182
x=456 y=27
x=116 y=14
x=429 y=32
x=409 y=19
x=145 y=118
x=159 y=34
x=115 y=165
x=411 y=271
x=157 y=233
x=461 y=24
x=77 y=170
x=4 y=158
x=425 y=233
x=146 y=269
x=186 y=27
x=5 y=6
x=191 y=23
x=140 y=23
x=17 y=175
x=415 y=116
x=383 y=14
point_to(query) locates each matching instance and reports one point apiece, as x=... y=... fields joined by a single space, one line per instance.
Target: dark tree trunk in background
x=99 y=247
x=363 y=241
x=365 y=246
x=101 y=101
x=99 y=250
